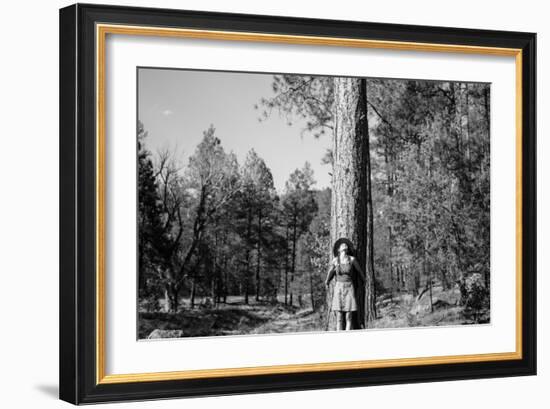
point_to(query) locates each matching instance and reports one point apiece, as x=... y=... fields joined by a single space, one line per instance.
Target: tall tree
x=151 y=238
x=191 y=200
x=299 y=208
x=350 y=184
x=258 y=196
x=316 y=242
x=339 y=105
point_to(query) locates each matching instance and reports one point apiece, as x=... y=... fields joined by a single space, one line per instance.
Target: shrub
x=475 y=298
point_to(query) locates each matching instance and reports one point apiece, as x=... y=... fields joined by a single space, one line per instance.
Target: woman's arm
x=330 y=273
x=359 y=270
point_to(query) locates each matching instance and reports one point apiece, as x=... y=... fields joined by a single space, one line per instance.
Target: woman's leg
x=348 y=320
x=340 y=319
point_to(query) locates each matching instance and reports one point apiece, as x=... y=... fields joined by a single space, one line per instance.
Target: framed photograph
x=257 y=203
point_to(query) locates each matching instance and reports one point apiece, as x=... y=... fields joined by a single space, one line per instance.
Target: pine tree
x=151 y=238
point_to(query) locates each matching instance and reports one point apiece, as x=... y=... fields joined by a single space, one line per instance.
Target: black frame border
x=77 y=148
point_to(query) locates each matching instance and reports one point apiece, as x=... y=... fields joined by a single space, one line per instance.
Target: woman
x=343 y=267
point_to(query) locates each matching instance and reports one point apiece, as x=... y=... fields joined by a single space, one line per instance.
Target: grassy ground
x=405 y=310
x=236 y=318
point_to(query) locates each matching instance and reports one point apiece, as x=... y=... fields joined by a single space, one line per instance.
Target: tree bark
x=416 y=281
x=311 y=296
x=370 y=287
x=293 y=265
x=259 y=250
x=286 y=266
x=389 y=191
x=248 y=239
x=430 y=283
x=225 y=283
x=193 y=290
x=350 y=184
x=214 y=279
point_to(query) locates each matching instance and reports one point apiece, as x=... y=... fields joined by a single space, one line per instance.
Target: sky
x=177 y=106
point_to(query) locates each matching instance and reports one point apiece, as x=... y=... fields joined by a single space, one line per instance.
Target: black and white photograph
x=279 y=203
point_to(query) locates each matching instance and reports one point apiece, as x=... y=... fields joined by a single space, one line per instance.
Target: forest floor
x=407 y=310
x=237 y=318
x=233 y=318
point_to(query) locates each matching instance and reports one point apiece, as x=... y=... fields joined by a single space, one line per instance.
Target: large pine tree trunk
x=350 y=185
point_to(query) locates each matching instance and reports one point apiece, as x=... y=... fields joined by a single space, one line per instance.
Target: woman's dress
x=343 y=298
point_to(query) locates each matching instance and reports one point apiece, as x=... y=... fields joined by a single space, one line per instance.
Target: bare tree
x=191 y=200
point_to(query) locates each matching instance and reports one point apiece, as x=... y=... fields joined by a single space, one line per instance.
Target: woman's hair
x=336 y=248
